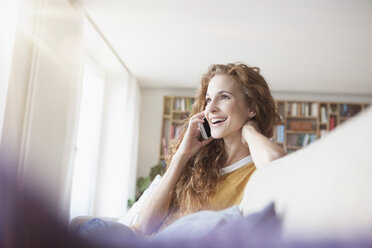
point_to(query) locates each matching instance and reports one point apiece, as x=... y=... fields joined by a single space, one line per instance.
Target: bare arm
x=261 y=148
x=155 y=208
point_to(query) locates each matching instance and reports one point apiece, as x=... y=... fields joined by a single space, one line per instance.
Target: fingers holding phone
x=191 y=142
x=205 y=129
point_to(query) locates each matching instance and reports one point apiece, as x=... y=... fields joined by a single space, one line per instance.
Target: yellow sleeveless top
x=230 y=190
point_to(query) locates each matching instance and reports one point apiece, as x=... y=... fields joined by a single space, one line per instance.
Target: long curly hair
x=197 y=183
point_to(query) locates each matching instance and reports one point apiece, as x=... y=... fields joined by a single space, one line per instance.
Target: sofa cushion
x=322 y=190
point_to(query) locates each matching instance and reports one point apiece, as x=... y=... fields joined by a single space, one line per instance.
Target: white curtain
x=118 y=161
x=8 y=26
x=88 y=142
x=42 y=98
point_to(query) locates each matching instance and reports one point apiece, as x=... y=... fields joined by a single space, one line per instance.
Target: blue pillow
x=199 y=224
x=227 y=228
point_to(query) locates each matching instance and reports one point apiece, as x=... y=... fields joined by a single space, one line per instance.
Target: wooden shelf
x=302 y=117
x=180 y=112
x=294 y=147
x=301 y=132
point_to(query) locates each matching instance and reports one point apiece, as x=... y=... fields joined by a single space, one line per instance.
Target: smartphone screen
x=205 y=129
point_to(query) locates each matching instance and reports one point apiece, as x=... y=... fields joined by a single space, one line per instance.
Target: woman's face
x=226 y=108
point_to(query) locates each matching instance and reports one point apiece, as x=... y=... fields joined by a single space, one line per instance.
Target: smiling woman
x=211 y=174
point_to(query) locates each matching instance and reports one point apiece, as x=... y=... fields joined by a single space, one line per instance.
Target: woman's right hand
x=190 y=144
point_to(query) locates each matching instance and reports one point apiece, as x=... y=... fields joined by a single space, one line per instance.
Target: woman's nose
x=211 y=107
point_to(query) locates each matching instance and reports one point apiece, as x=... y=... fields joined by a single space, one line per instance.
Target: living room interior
x=85 y=83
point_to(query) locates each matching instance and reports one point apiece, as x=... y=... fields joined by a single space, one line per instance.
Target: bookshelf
x=302 y=122
x=175 y=109
x=306 y=121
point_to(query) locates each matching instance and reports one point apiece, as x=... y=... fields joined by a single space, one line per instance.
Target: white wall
x=150 y=125
x=151 y=118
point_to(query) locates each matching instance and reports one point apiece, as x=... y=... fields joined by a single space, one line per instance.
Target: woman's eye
x=225 y=97
x=208 y=100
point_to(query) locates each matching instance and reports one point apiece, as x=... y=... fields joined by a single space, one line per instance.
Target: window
x=8 y=26
x=88 y=143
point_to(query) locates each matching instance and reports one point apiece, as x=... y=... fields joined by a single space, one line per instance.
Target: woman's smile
x=217 y=120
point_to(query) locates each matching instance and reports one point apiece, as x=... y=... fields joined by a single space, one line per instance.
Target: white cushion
x=324 y=189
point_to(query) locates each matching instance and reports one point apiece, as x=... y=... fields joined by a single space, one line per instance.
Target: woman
x=212 y=174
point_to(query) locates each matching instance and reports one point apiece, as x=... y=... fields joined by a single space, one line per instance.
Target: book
x=314 y=109
x=332 y=123
x=280 y=133
x=307 y=108
x=302 y=109
x=306 y=140
x=344 y=110
x=294 y=109
x=164 y=143
x=183 y=104
x=323 y=114
x=300 y=140
x=167 y=106
x=312 y=138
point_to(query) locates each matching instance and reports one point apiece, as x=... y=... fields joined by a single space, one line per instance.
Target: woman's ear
x=251 y=114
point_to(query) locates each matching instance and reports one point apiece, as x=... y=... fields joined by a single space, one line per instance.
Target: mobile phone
x=205 y=129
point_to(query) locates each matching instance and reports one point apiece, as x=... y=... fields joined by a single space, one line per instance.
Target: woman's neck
x=235 y=149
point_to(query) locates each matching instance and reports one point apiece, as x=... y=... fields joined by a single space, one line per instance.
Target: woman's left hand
x=249 y=126
x=261 y=148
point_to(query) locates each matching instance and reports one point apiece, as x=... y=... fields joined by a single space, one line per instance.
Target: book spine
x=323 y=115
x=165 y=149
x=172 y=131
x=183 y=104
x=300 y=140
x=307 y=107
x=331 y=123
x=306 y=140
x=294 y=109
x=280 y=134
x=314 y=109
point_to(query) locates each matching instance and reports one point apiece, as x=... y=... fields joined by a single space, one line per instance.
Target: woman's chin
x=216 y=136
